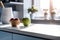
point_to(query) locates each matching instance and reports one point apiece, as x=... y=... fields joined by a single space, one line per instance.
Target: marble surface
x=50 y=31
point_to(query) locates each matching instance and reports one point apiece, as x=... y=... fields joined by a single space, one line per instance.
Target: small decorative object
x=26 y=21
x=14 y=22
x=32 y=10
x=45 y=13
x=53 y=14
x=7 y=13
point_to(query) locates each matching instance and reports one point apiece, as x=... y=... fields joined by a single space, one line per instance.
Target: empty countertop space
x=47 y=29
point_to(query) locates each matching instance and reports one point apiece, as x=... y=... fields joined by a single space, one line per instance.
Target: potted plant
x=32 y=10
x=53 y=15
x=45 y=13
x=26 y=21
x=15 y=22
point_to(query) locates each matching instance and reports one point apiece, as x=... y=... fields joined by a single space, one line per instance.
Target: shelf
x=16 y=3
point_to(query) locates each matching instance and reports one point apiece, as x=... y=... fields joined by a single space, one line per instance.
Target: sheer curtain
x=45 y=4
x=40 y=5
x=56 y=5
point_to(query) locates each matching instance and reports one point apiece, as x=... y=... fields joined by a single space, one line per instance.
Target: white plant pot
x=6 y=15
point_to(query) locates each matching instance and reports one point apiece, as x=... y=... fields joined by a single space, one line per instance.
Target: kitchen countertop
x=50 y=31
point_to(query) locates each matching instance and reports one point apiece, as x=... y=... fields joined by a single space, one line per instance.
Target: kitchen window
x=45 y=4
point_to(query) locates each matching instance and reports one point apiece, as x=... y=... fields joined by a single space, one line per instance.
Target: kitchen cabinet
x=22 y=37
x=20 y=7
x=5 y=36
x=12 y=36
x=17 y=7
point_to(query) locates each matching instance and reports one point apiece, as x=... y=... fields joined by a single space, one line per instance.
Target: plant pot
x=14 y=22
x=6 y=15
x=26 y=22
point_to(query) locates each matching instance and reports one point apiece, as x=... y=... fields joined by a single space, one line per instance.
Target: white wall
x=27 y=4
x=19 y=9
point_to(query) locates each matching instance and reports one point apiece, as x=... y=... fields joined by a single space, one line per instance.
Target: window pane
x=40 y=5
x=56 y=5
x=45 y=4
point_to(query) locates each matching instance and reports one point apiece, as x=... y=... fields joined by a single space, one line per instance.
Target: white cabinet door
x=21 y=37
x=5 y=36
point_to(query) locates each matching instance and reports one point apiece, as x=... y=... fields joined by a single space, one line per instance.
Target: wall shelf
x=16 y=3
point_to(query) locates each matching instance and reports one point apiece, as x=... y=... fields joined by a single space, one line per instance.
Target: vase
x=30 y=16
x=26 y=22
x=6 y=15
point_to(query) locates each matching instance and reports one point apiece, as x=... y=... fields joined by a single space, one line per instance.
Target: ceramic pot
x=6 y=15
x=26 y=21
x=15 y=22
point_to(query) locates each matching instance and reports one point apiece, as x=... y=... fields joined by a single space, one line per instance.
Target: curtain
x=45 y=4
x=40 y=5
